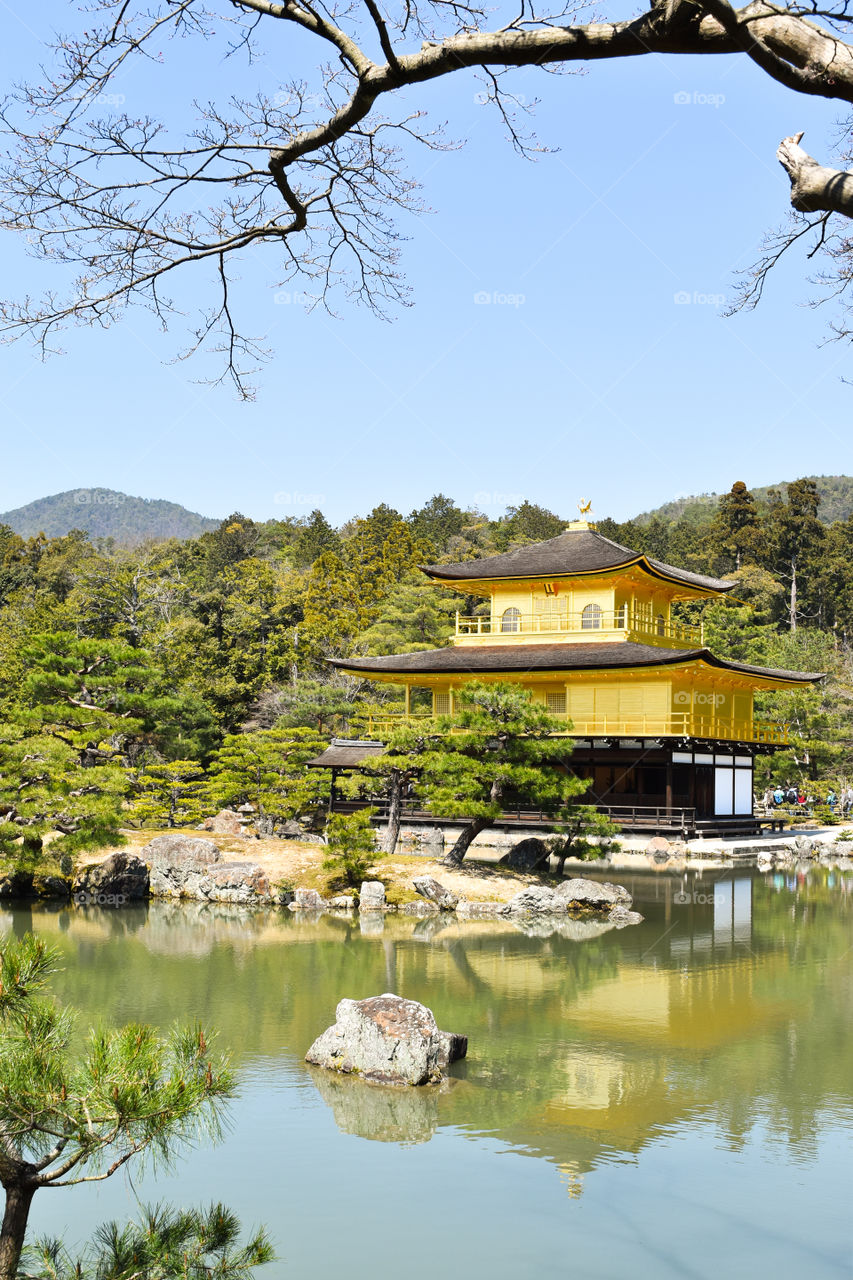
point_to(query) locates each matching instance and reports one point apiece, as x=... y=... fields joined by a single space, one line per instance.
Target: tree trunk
x=793 y=614
x=18 y=1201
x=395 y=808
x=454 y=856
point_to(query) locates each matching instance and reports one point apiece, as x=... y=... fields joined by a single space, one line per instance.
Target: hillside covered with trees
x=158 y=683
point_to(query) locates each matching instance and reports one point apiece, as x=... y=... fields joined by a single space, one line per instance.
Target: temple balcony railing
x=683 y=724
x=621 y=624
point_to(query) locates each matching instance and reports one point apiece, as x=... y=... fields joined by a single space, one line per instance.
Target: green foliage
x=167 y=794
x=166 y=1244
x=68 y=1114
x=497 y=752
x=267 y=769
x=352 y=846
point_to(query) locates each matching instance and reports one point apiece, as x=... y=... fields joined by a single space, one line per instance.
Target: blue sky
x=585 y=373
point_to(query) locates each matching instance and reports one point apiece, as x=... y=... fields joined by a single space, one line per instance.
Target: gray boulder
x=480 y=910
x=527 y=855
x=188 y=867
x=431 y=889
x=226 y=823
x=240 y=882
x=52 y=887
x=123 y=877
x=621 y=916
x=371 y=896
x=536 y=900
x=593 y=895
x=308 y=900
x=388 y=1040
x=342 y=902
x=17 y=884
x=421 y=909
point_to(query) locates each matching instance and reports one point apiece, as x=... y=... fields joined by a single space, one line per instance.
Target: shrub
x=352 y=845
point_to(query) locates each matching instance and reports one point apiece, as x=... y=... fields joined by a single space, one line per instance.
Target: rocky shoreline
x=182 y=867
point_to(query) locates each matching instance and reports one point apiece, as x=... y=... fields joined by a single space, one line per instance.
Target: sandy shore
x=301 y=866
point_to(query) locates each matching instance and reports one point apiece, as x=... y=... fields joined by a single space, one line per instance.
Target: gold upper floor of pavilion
x=577 y=587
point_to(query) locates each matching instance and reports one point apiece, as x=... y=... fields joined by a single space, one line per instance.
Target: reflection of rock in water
x=371 y=923
x=385 y=1113
x=561 y=927
x=196 y=928
x=426 y=930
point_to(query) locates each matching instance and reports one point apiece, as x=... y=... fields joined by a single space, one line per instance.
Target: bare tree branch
x=318 y=177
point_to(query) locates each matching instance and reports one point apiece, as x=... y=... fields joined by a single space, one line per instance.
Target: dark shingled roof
x=473 y=660
x=343 y=753
x=577 y=551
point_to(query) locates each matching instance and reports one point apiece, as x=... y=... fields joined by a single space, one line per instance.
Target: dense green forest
x=180 y=675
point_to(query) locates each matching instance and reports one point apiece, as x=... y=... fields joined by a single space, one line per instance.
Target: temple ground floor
x=686 y=787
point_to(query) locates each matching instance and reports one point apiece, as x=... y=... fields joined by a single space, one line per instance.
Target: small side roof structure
x=345 y=753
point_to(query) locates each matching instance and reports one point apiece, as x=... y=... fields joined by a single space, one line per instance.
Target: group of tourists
x=788 y=796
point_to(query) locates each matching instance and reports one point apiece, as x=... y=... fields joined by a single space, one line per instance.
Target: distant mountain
x=104 y=513
x=836 y=501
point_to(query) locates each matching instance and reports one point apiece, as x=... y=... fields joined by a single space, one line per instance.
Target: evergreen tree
x=267 y=769
x=69 y=1113
x=502 y=752
x=438 y=522
x=167 y=794
x=735 y=527
x=795 y=539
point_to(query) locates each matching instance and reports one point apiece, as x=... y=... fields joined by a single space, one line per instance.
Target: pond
x=673 y=1099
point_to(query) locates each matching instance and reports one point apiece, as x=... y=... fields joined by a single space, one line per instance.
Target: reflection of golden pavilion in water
x=665 y=731
x=610 y=1080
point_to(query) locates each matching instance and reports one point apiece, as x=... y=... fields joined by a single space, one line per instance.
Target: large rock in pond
x=187 y=867
x=371 y=896
x=388 y=1040
x=123 y=877
x=593 y=895
x=536 y=900
x=308 y=900
x=431 y=889
x=527 y=855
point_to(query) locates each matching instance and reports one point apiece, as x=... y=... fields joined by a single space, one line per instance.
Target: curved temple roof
x=554 y=657
x=574 y=552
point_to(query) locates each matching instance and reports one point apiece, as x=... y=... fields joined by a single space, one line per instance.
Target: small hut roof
x=345 y=753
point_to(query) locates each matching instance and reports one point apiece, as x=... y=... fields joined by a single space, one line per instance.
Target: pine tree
x=68 y=1113
x=267 y=769
x=499 y=749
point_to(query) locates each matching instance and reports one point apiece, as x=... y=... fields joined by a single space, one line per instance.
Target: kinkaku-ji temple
x=662 y=728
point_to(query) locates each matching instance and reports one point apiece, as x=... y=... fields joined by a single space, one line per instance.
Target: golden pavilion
x=664 y=730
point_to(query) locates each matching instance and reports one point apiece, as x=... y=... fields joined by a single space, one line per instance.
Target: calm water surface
x=669 y=1100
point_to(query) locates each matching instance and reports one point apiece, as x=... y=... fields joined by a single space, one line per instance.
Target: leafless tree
x=127 y=204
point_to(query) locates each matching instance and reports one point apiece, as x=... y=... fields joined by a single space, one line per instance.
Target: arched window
x=511 y=620
x=660 y=624
x=591 y=617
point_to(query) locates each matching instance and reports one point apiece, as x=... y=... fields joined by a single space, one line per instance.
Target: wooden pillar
x=332 y=793
x=669 y=788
